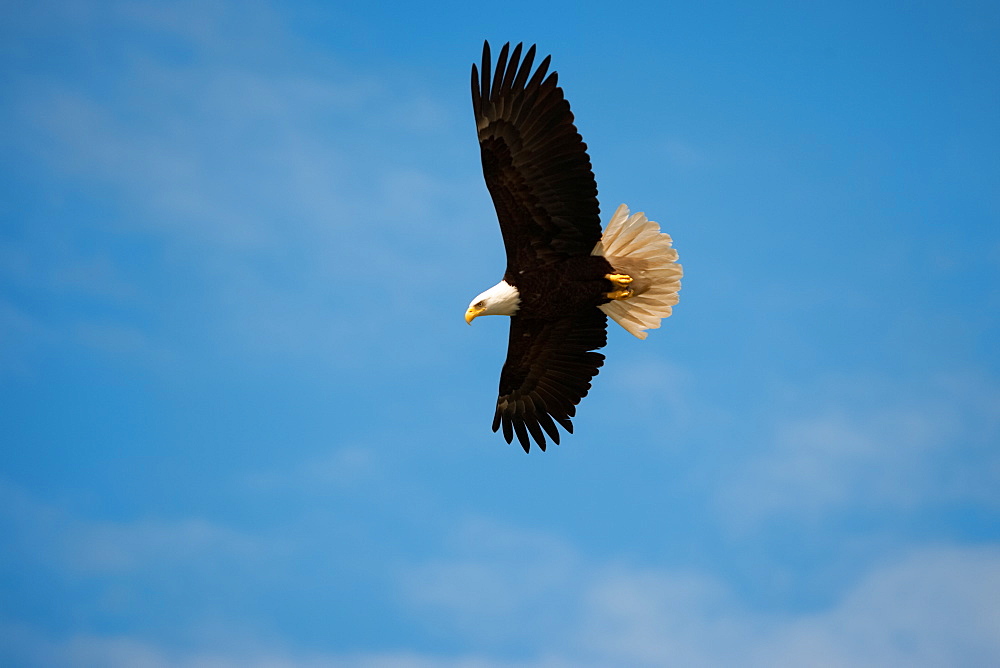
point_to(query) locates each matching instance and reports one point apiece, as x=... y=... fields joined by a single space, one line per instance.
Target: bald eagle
x=563 y=276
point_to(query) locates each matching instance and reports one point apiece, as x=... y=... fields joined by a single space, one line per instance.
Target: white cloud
x=210 y=155
x=33 y=650
x=52 y=536
x=344 y=468
x=653 y=618
x=873 y=446
x=681 y=153
x=504 y=584
x=20 y=332
x=929 y=606
x=551 y=607
x=250 y=172
x=655 y=386
x=248 y=142
x=936 y=606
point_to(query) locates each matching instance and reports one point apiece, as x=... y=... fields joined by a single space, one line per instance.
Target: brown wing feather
x=534 y=161
x=549 y=366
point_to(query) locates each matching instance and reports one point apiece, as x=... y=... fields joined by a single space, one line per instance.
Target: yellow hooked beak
x=473 y=313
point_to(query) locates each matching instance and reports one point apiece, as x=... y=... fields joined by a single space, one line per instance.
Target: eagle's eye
x=481 y=304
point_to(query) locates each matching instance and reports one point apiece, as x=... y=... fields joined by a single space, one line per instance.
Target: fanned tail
x=635 y=246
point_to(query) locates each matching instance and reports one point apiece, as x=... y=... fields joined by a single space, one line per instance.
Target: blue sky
x=244 y=422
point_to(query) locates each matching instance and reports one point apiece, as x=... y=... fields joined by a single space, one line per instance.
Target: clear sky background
x=243 y=422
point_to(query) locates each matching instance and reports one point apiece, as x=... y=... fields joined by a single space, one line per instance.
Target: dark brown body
x=562 y=288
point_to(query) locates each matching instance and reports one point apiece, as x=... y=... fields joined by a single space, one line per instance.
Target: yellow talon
x=621 y=280
x=620 y=294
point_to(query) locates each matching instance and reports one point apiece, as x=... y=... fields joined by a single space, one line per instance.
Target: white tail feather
x=636 y=246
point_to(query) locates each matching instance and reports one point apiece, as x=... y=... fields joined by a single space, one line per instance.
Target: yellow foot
x=620 y=281
x=620 y=294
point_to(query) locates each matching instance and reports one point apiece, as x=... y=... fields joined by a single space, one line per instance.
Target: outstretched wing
x=548 y=370
x=534 y=161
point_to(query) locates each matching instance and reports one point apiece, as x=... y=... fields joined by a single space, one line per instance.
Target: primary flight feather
x=563 y=276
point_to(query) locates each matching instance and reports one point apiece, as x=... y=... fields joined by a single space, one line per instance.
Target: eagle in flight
x=564 y=277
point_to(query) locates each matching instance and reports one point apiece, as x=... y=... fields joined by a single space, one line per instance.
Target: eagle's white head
x=501 y=299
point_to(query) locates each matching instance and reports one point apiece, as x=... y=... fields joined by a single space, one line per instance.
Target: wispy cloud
x=344 y=468
x=33 y=650
x=67 y=544
x=20 y=335
x=927 y=606
x=949 y=617
x=874 y=445
x=261 y=197
x=497 y=574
